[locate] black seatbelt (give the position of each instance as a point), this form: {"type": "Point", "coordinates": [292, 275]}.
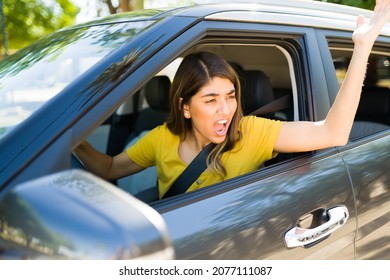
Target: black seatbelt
{"type": "Point", "coordinates": [274, 106]}
{"type": "Point", "coordinates": [191, 173]}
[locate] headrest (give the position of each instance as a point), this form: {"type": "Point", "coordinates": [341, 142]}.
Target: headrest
{"type": "Point", "coordinates": [157, 92]}
{"type": "Point", "coordinates": [256, 90]}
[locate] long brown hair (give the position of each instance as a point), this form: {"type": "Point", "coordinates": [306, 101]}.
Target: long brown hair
{"type": "Point", "coordinates": [195, 71]}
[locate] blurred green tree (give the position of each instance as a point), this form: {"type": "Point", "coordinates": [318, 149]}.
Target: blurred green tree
{"type": "Point", "coordinates": [28, 20]}
{"type": "Point", "coordinates": [365, 4]}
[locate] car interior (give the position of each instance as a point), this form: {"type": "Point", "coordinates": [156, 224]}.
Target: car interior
{"type": "Point", "coordinates": [267, 74]}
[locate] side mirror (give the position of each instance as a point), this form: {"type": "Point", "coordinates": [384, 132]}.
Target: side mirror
{"type": "Point", "coordinates": [76, 215]}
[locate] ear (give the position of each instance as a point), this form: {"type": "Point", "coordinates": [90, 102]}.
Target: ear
{"type": "Point", "coordinates": [186, 111]}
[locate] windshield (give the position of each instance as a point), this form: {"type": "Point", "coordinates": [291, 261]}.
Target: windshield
{"type": "Point", "coordinates": [33, 75]}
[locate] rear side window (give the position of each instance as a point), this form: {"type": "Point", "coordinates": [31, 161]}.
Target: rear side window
{"type": "Point", "coordinates": [373, 114]}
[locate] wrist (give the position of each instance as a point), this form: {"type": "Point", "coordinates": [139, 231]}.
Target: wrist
{"type": "Point", "coordinates": [362, 50]}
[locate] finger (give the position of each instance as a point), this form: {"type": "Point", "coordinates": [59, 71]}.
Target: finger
{"type": "Point", "coordinates": [360, 21]}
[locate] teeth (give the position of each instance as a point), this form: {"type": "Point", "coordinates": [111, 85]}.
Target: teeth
{"type": "Point", "coordinates": [222, 122]}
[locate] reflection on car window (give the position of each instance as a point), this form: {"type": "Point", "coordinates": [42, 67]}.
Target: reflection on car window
{"type": "Point", "coordinates": [35, 74]}
{"type": "Point", "coordinates": [378, 72]}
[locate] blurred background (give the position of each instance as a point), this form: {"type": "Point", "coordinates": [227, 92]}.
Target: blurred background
{"type": "Point", "coordinates": [24, 21]}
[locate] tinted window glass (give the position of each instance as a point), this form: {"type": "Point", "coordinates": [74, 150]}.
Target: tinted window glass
{"type": "Point", "coordinates": [373, 114]}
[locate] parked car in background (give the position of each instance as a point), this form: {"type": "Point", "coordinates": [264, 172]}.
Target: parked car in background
{"type": "Point", "coordinates": [108, 80]}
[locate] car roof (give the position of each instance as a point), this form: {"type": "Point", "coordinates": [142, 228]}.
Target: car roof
{"type": "Point", "coordinates": [292, 7]}
{"type": "Point", "coordinates": [292, 12]}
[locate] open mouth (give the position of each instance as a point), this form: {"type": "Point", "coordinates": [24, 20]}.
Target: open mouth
{"type": "Point", "coordinates": [221, 127]}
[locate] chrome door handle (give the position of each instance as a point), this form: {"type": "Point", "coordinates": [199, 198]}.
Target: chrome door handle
{"type": "Point", "coordinates": [299, 237]}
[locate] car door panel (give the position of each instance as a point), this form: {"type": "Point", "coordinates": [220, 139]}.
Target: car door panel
{"type": "Point", "coordinates": [250, 221]}
{"type": "Point", "coordinates": [369, 163]}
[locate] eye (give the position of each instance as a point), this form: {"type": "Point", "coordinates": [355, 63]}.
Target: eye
{"type": "Point", "coordinates": [211, 100]}
{"type": "Point", "coordinates": [231, 97]}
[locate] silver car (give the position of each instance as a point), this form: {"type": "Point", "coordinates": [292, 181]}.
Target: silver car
{"type": "Point", "coordinates": [107, 81]}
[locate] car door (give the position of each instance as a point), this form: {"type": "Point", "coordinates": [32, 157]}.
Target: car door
{"type": "Point", "coordinates": [248, 217]}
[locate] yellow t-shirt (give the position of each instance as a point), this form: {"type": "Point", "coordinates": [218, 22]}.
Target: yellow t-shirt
{"type": "Point", "coordinates": [160, 147]}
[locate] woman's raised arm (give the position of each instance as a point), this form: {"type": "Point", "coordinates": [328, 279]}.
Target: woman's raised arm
{"type": "Point", "coordinates": [335, 129]}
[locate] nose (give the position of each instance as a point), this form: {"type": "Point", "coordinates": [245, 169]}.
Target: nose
{"type": "Point", "coordinates": [224, 108]}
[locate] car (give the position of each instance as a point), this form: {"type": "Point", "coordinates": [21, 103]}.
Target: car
{"type": "Point", "coordinates": [107, 81]}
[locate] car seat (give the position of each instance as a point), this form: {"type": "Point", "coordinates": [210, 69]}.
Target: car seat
{"type": "Point", "coordinates": [256, 91]}
{"type": "Point", "coordinates": [156, 93]}
{"type": "Point", "coordinates": [259, 97]}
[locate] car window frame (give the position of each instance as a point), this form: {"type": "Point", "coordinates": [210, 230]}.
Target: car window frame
{"type": "Point", "coordinates": [306, 40]}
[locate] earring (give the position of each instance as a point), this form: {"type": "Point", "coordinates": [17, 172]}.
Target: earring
{"type": "Point", "coordinates": [186, 114]}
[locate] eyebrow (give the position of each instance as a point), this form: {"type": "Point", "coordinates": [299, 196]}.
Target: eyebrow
{"type": "Point", "coordinates": [212, 94]}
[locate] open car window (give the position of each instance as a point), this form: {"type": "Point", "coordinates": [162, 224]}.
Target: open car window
{"type": "Point", "coordinates": [262, 66]}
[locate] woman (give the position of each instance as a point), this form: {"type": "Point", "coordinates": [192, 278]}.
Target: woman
{"type": "Point", "coordinates": [206, 109]}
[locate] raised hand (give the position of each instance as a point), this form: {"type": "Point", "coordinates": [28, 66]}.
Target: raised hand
{"type": "Point", "coordinates": [367, 32]}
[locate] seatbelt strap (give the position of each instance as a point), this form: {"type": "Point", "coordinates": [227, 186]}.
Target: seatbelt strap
{"type": "Point", "coordinates": [274, 106]}
{"type": "Point", "coordinates": [191, 173]}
